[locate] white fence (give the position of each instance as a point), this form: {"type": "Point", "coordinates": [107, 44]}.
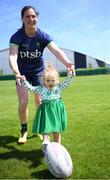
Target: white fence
{"type": "Point", "coordinates": [80, 60]}
{"type": "Point", "coordinates": [48, 56]}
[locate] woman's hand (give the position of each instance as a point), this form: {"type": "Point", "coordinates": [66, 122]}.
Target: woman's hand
{"type": "Point", "coordinates": [19, 78]}
{"type": "Point", "coordinates": [71, 69]}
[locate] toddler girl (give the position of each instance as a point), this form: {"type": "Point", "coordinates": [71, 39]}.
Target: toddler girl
{"type": "Point", "coordinates": [51, 116]}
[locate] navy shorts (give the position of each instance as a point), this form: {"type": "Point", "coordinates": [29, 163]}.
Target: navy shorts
{"type": "Point", "coordinates": [34, 80]}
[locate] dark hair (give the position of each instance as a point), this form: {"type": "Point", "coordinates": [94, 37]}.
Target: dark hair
{"type": "Point", "coordinates": [25, 8]}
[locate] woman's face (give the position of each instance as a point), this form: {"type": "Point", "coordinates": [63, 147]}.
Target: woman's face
{"type": "Point", "coordinates": [30, 19]}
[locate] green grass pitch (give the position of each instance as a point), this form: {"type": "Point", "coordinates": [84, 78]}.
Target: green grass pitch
{"type": "Point", "coordinates": [87, 137]}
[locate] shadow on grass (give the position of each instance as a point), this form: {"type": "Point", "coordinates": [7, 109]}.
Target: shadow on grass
{"type": "Point", "coordinates": [44, 174]}
{"type": "Point", "coordinates": [9, 151]}
{"type": "Point", "coordinates": [35, 156]}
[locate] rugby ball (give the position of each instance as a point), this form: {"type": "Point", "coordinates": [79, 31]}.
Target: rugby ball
{"type": "Point", "coordinates": [58, 160]}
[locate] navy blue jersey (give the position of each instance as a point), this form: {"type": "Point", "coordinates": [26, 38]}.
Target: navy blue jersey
{"type": "Point", "coordinates": [30, 52]}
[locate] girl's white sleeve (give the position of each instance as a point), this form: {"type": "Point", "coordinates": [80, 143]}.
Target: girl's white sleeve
{"type": "Point", "coordinates": [29, 87]}
{"type": "Point", "coordinates": [66, 82]}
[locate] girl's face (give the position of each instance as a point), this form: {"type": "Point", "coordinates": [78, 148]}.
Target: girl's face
{"type": "Point", "coordinates": [30, 19]}
{"type": "Point", "coordinates": [50, 82]}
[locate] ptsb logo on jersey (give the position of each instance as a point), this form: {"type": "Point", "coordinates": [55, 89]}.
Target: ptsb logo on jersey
{"type": "Point", "coordinates": [30, 55]}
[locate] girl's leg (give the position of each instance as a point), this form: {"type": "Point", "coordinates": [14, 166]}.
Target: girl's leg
{"type": "Point", "coordinates": [46, 140]}
{"type": "Point", "coordinates": [57, 137]}
{"type": "Point", "coordinates": [37, 100]}
{"type": "Point", "coordinates": [23, 111]}
{"type": "Point", "coordinates": [46, 137]}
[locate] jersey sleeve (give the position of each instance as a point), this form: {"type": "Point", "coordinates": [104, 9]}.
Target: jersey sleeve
{"type": "Point", "coordinates": [45, 38]}
{"type": "Point", "coordinates": [15, 39]}
{"type": "Point", "coordinates": [66, 82]}
{"type": "Point", "coordinates": [28, 86]}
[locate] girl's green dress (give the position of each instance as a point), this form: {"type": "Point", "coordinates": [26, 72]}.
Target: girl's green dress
{"type": "Point", "coordinates": [51, 115]}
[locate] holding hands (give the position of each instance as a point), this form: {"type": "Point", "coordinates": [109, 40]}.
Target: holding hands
{"type": "Point", "coordinates": [19, 78]}
{"type": "Point", "coordinates": [71, 69]}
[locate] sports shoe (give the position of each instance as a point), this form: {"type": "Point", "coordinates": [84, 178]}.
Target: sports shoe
{"type": "Point", "coordinates": [23, 138]}
{"type": "Point", "coordinates": [40, 137]}
{"type": "Point", "coordinates": [44, 145]}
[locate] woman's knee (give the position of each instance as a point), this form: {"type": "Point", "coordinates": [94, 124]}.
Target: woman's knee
{"type": "Point", "coordinates": [23, 103]}
{"type": "Point", "coordinates": [22, 96]}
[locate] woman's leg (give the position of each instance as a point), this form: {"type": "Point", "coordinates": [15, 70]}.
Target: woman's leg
{"type": "Point", "coordinates": [37, 103]}
{"type": "Point", "coordinates": [23, 111]}
{"type": "Point", "coordinates": [57, 137]}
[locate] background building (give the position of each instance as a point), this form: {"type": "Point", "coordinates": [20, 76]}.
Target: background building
{"type": "Point", "coordinates": [80, 60]}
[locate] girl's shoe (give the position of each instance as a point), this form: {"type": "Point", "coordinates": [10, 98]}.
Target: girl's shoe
{"type": "Point", "coordinates": [44, 145]}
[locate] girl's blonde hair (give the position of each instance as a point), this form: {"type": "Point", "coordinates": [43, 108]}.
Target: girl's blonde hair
{"type": "Point", "coordinates": [50, 70]}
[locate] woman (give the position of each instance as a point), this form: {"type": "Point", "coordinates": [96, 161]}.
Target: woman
{"type": "Point", "coordinates": [26, 58]}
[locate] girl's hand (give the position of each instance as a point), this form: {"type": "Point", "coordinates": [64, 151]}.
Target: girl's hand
{"type": "Point", "coordinates": [23, 78]}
